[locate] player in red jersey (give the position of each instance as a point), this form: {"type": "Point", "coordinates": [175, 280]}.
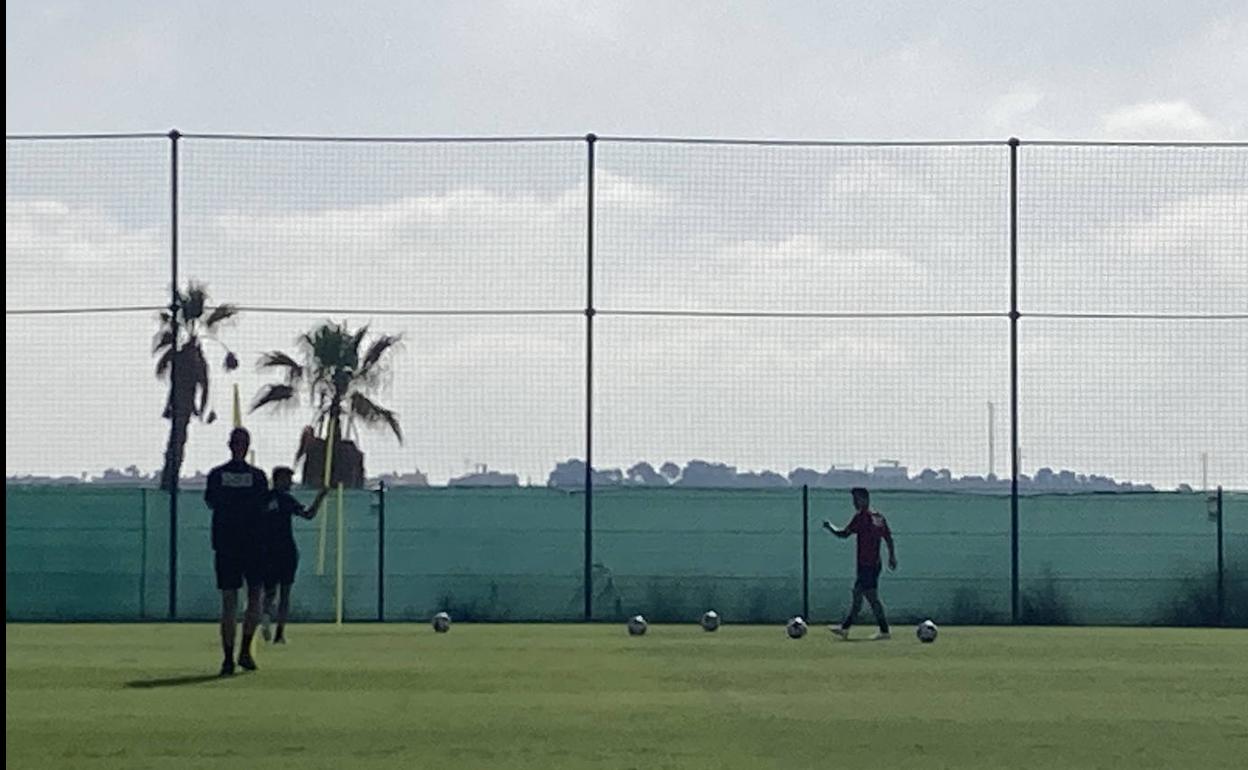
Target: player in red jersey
{"type": "Point", "coordinates": [870, 527]}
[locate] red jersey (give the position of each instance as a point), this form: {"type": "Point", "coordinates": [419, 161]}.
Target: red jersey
{"type": "Point", "coordinates": [870, 527]}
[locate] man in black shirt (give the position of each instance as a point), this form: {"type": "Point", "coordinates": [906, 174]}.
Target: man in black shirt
{"type": "Point", "coordinates": [281, 555]}
{"type": "Point", "coordinates": [237, 493]}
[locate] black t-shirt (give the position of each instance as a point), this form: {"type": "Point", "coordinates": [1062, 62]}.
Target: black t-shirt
{"type": "Point", "coordinates": [281, 508]}
{"type": "Point", "coordinates": [236, 493]}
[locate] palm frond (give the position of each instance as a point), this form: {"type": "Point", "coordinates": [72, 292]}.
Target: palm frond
{"type": "Point", "coordinates": [193, 302]}
{"type": "Point", "coordinates": [328, 347]}
{"type": "Point", "coordinates": [276, 359]}
{"type": "Point", "coordinates": [164, 362]}
{"type": "Point", "coordinates": [373, 414]}
{"type": "Point", "coordinates": [163, 339]}
{"type": "Point", "coordinates": [273, 394]}
{"type": "Point", "coordinates": [357, 339]}
{"type": "Point", "coordinates": [221, 313]}
{"type": "Point", "coordinates": [378, 349]}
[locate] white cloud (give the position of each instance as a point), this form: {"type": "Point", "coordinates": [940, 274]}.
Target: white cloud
{"type": "Point", "coordinates": [1161, 120]}
{"type": "Point", "coordinates": [1009, 112]}
{"type": "Point", "coordinates": [1210, 69]}
{"type": "Point", "coordinates": [700, 230]}
{"type": "Point", "coordinates": [468, 247]}
{"type": "Point", "coordinates": [113, 261]}
{"type": "Point", "coordinates": [1132, 231]}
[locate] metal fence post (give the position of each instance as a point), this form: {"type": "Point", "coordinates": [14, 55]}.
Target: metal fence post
{"type": "Point", "coordinates": [590, 140]}
{"type": "Point", "coordinates": [381, 551]}
{"type": "Point", "coordinates": [806, 551]}
{"type": "Point", "coordinates": [174, 136]}
{"type": "Point", "coordinates": [1221, 566]}
{"type": "Point", "coordinates": [143, 553]}
{"type": "Point", "coordinates": [1014, 316]}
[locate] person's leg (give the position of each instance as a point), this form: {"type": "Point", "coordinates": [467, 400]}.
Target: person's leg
{"type": "Point", "coordinates": [254, 572]}
{"type": "Point", "coordinates": [283, 611]}
{"type": "Point", "coordinates": [251, 619]}
{"type": "Point", "coordinates": [287, 567]}
{"type": "Point", "coordinates": [268, 611]}
{"type": "Point", "coordinates": [854, 608]}
{"type": "Point", "coordinates": [877, 608]}
{"type": "Point", "coordinates": [229, 578]}
{"type": "Point", "coordinates": [229, 611]}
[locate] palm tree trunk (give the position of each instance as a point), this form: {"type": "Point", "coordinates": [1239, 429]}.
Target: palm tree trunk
{"type": "Point", "coordinates": [175, 450]}
{"type": "Point", "coordinates": [180, 410]}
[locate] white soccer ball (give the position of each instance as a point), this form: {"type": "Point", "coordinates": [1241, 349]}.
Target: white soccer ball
{"type": "Point", "coordinates": [926, 632]}
{"type": "Point", "coordinates": [637, 625]}
{"type": "Point", "coordinates": [710, 621]}
{"type": "Point", "coordinates": [795, 628]}
{"type": "Point", "coordinates": [442, 622]}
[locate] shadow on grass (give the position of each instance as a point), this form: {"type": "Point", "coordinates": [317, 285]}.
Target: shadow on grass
{"type": "Point", "coordinates": [173, 681]}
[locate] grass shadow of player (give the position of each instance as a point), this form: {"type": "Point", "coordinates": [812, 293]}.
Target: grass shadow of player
{"type": "Point", "coordinates": [173, 681]}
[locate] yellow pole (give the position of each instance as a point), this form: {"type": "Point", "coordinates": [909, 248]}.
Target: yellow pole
{"type": "Point", "coordinates": [329, 462]}
{"type": "Point", "coordinates": [341, 544]}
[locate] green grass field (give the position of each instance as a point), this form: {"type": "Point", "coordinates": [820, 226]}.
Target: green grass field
{"type": "Point", "coordinates": [514, 696]}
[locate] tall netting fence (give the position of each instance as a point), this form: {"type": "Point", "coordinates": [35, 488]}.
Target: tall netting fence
{"type": "Point", "coordinates": [779, 312]}
{"type": "Point", "coordinates": [739, 332]}
{"type": "Point", "coordinates": [1133, 348]}
{"type": "Point", "coordinates": [87, 232]}
{"type": "Point", "coordinates": [471, 252]}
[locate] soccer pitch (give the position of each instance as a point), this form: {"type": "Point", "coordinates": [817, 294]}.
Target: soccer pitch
{"type": "Point", "coordinates": [590, 696]}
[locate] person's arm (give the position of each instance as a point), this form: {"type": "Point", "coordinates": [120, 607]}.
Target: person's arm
{"type": "Point", "coordinates": [892, 552]}
{"type": "Point", "coordinates": [842, 532]}
{"type": "Point", "coordinates": [310, 511]}
{"type": "Point", "coordinates": [212, 491]}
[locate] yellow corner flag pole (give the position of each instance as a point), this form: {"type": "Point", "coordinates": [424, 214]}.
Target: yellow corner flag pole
{"type": "Point", "coordinates": [329, 462]}
{"type": "Point", "coordinates": [341, 544]}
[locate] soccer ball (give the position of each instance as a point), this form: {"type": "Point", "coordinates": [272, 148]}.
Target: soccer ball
{"type": "Point", "coordinates": [442, 622]}
{"type": "Point", "coordinates": [795, 628]}
{"type": "Point", "coordinates": [926, 632]}
{"type": "Point", "coordinates": [636, 625]}
{"type": "Point", "coordinates": [710, 621]}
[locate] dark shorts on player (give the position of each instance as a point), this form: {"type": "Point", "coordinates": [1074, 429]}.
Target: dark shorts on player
{"type": "Point", "coordinates": [234, 565]}
{"type": "Point", "coordinates": [280, 567]}
{"type": "Point", "coordinates": [868, 577]}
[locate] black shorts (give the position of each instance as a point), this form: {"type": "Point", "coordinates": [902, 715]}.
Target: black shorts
{"type": "Point", "coordinates": [280, 567]}
{"type": "Point", "coordinates": [236, 564]}
{"type": "Point", "coordinates": [868, 577]}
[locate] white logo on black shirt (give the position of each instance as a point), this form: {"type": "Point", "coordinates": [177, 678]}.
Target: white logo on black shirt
{"type": "Point", "coordinates": [237, 480]}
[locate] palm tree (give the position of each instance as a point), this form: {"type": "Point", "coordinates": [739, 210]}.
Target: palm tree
{"type": "Point", "coordinates": [179, 345]}
{"type": "Point", "coordinates": [339, 374]}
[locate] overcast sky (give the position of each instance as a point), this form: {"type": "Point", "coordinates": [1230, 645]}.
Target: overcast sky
{"type": "Point", "coordinates": [1156, 69]}
{"type": "Point", "coordinates": [389, 227]}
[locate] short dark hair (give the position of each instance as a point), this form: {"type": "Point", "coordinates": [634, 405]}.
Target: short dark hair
{"type": "Point", "coordinates": [283, 471]}
{"type": "Point", "coordinates": [240, 434]}
{"type": "Point", "coordinates": [861, 492]}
